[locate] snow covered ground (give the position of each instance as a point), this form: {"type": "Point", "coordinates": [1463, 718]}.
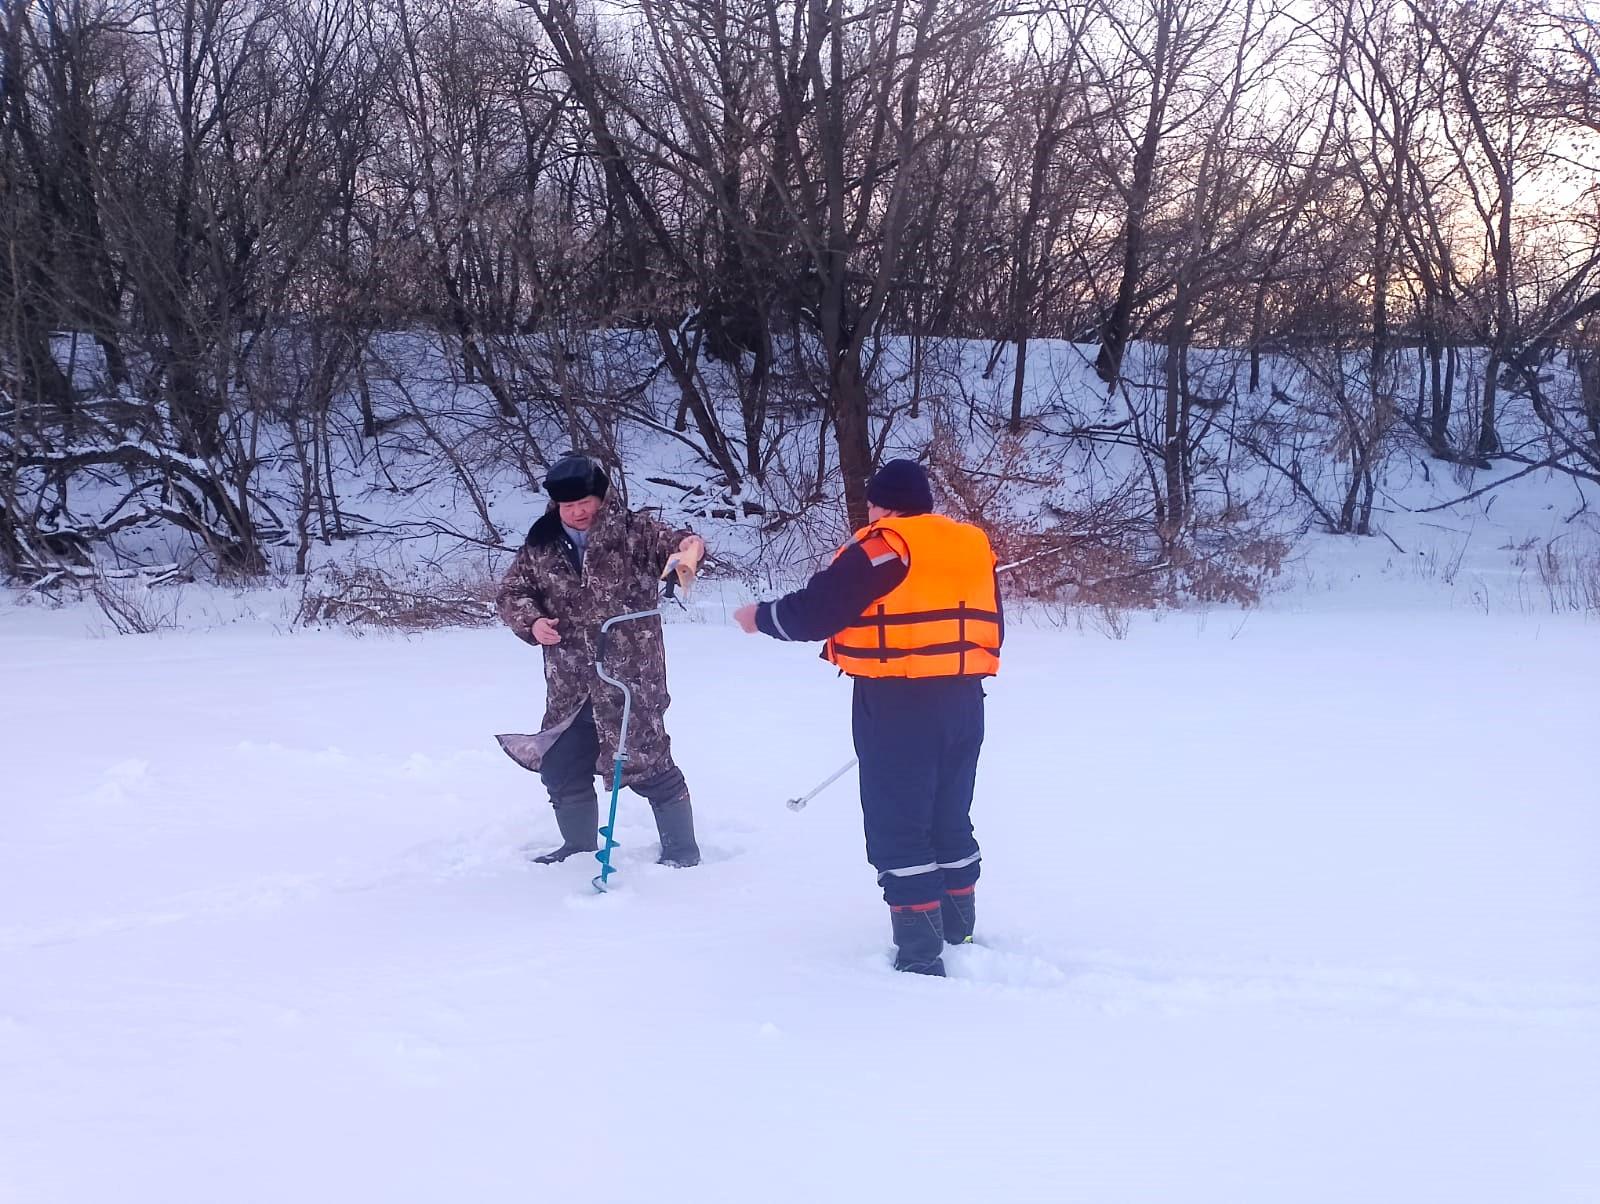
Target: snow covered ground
{"type": "Point", "coordinates": [1293, 906]}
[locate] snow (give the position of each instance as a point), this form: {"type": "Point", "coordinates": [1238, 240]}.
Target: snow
{"type": "Point", "coordinates": [1283, 906]}
{"type": "Point", "coordinates": [1297, 904]}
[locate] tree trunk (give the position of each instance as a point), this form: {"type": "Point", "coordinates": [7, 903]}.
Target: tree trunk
{"type": "Point", "coordinates": [690, 400]}
{"type": "Point", "coordinates": [850, 429]}
{"type": "Point", "coordinates": [1257, 321]}
{"type": "Point", "coordinates": [1488, 437]}
{"type": "Point", "coordinates": [1439, 408]}
{"type": "Point", "coordinates": [1175, 428]}
{"type": "Point", "coordinates": [1589, 378]}
{"type": "Point", "coordinates": [1019, 376]}
{"type": "Point", "coordinates": [1115, 330]}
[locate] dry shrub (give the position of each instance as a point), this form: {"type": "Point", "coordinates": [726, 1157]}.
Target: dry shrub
{"type": "Point", "coordinates": [1228, 563]}
{"type": "Point", "coordinates": [1571, 579]}
{"type": "Point", "coordinates": [137, 604]}
{"type": "Point", "coordinates": [366, 596]}
{"type": "Point", "coordinates": [1098, 551]}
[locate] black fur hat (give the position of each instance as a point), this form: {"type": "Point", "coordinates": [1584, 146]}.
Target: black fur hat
{"type": "Point", "coordinates": [575, 477]}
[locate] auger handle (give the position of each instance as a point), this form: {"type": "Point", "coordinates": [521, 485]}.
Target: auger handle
{"type": "Point", "coordinates": [798, 804]}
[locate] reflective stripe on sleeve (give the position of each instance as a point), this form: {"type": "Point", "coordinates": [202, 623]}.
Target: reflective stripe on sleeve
{"type": "Point", "coordinates": [772, 611]}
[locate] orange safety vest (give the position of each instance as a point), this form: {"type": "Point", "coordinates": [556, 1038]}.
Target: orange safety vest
{"type": "Point", "coordinates": [943, 620]}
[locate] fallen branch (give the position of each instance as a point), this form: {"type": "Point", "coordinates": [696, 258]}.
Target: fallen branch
{"type": "Point", "coordinates": [1547, 462]}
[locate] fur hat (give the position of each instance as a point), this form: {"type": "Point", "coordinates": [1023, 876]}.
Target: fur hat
{"type": "Point", "coordinates": [575, 477]}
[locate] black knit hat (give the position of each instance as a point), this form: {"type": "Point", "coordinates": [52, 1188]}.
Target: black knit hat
{"type": "Point", "coordinates": [575, 477]}
{"type": "Point", "coordinates": [901, 485]}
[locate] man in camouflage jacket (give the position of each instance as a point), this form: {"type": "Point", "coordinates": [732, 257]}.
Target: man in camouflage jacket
{"type": "Point", "coordinates": [586, 560]}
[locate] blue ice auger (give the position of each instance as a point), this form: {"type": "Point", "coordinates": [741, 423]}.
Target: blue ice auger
{"type": "Point", "coordinates": [604, 855]}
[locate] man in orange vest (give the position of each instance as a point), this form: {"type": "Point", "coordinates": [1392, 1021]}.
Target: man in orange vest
{"type": "Point", "coordinates": [910, 608]}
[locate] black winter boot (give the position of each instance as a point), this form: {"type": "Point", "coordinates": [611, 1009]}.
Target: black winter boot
{"type": "Point", "coordinates": [675, 825]}
{"type": "Point", "coordinates": [960, 915]}
{"type": "Point", "coordinates": [579, 821]}
{"type": "Point", "coordinates": [918, 938]}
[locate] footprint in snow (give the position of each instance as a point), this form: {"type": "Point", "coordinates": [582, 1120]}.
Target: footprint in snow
{"type": "Point", "coordinates": [1001, 966]}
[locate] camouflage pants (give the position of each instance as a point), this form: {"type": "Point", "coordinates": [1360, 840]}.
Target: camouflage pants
{"type": "Point", "coordinates": [571, 764]}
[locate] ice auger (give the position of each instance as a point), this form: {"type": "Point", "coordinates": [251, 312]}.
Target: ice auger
{"type": "Point", "coordinates": [609, 842]}
{"type": "Point", "coordinates": [679, 574]}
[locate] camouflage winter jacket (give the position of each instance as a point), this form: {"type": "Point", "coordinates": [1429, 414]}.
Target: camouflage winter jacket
{"type": "Point", "coordinates": [617, 573]}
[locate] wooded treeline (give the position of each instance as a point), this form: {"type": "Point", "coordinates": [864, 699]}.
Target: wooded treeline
{"type": "Point", "coordinates": [211, 209]}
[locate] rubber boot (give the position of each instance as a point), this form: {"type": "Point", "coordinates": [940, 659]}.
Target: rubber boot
{"type": "Point", "coordinates": [918, 938]}
{"type": "Point", "coordinates": [675, 825]}
{"type": "Point", "coordinates": [960, 915]}
{"type": "Point", "coordinates": [579, 821]}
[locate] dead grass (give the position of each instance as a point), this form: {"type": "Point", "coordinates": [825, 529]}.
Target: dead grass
{"type": "Point", "coordinates": [1570, 576]}
{"type": "Point", "coordinates": [418, 600]}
